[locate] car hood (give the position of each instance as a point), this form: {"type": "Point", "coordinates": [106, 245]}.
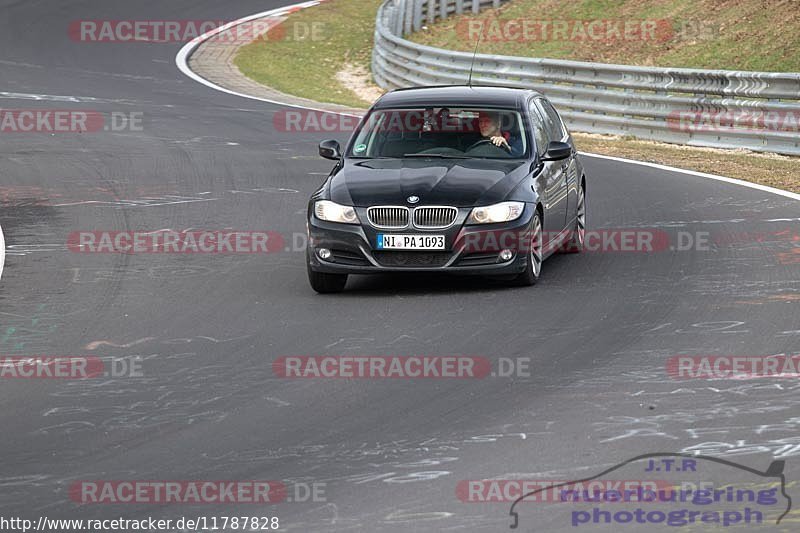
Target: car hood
{"type": "Point", "coordinates": [456, 182]}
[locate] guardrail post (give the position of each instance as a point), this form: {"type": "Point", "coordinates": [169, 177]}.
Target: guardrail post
{"type": "Point", "coordinates": [397, 18]}
{"type": "Point", "coordinates": [408, 16]}
{"type": "Point", "coordinates": [431, 15]}
{"type": "Point", "coordinates": [495, 3]}
{"type": "Point", "coordinates": [476, 6]}
{"type": "Point", "coordinates": [387, 18]}
{"type": "Point", "coordinates": [417, 15]}
{"type": "Point", "coordinates": [442, 9]}
{"type": "Point", "coordinates": [459, 6]}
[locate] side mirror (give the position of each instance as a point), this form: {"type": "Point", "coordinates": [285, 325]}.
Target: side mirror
{"type": "Point", "coordinates": [557, 151]}
{"type": "Point", "coordinates": [330, 150]}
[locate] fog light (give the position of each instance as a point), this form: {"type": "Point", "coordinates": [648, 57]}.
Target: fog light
{"type": "Point", "coordinates": [506, 255]}
{"type": "Point", "coordinates": [324, 253]}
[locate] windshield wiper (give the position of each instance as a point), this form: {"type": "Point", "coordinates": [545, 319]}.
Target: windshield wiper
{"type": "Point", "coordinates": [440, 156]}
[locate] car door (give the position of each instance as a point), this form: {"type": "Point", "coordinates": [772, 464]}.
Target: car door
{"type": "Point", "coordinates": [572, 180]}
{"type": "Point", "coordinates": [553, 175]}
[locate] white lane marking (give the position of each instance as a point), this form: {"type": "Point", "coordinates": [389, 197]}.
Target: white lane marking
{"type": "Point", "coordinates": [25, 249]}
{"type": "Point", "coordinates": [787, 194]}
{"type": "Point", "coordinates": [181, 60]}
{"type": "Point", "coordinates": [145, 202]}
{"type": "Point", "coordinates": [48, 97]}
{"type": "Point", "coordinates": [2, 251]}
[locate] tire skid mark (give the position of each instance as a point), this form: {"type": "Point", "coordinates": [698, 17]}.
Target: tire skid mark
{"type": "Point", "coordinates": [96, 344]}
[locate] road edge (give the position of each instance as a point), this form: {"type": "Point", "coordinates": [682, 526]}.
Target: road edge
{"type": "Point", "coordinates": [182, 62]}
{"type": "Point", "coordinates": [2, 251]}
{"type": "Point", "coordinates": [758, 186]}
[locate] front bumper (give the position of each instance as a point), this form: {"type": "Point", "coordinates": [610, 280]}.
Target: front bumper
{"type": "Point", "coordinates": [470, 249]}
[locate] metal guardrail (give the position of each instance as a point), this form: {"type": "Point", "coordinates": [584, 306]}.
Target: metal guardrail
{"type": "Point", "coordinates": [758, 111]}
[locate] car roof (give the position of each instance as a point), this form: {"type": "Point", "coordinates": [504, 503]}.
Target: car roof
{"type": "Point", "coordinates": [456, 95]}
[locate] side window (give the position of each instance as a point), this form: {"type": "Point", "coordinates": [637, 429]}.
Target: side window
{"type": "Point", "coordinates": [540, 134]}
{"type": "Point", "coordinates": [558, 131]}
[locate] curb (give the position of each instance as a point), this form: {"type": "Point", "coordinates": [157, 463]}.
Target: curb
{"type": "Point", "coordinates": [211, 63]}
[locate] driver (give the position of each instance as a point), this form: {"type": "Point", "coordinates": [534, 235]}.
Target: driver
{"type": "Point", "coordinates": [489, 126]}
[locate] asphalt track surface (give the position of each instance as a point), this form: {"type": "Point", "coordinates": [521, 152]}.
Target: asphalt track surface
{"type": "Point", "coordinates": [598, 328]}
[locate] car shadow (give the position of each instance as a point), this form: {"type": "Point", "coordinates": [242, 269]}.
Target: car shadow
{"type": "Point", "coordinates": [425, 283]}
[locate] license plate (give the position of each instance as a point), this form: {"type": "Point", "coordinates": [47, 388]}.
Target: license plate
{"type": "Point", "coordinates": [394, 241]}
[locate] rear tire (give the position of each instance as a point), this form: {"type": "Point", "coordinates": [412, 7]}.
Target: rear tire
{"type": "Point", "coordinates": [577, 241]}
{"type": "Point", "coordinates": [533, 266]}
{"type": "Point", "coordinates": [325, 283]}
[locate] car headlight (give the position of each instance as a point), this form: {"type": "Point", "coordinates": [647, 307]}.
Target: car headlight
{"type": "Point", "coordinates": [333, 212]}
{"type": "Point", "coordinates": [491, 214]}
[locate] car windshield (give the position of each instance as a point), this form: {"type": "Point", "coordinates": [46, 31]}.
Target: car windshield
{"type": "Point", "coordinates": [441, 132]}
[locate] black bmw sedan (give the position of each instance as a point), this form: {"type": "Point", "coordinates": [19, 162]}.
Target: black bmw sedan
{"type": "Point", "coordinates": [472, 180]}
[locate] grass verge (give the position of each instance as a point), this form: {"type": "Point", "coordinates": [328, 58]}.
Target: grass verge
{"type": "Point", "coordinates": [708, 34]}
{"type": "Point", "coordinates": [772, 170]}
{"type": "Point", "coordinates": [338, 32]}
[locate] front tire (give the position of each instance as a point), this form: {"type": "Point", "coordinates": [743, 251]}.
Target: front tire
{"type": "Point", "coordinates": [325, 283]}
{"type": "Point", "coordinates": [533, 268]}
